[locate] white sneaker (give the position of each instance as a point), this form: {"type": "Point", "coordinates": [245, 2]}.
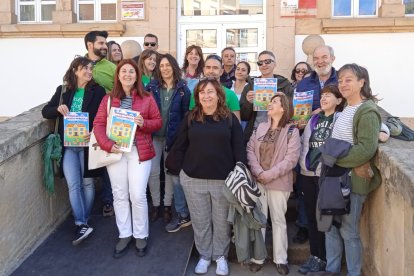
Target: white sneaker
{"type": "Point", "coordinates": [202, 266]}
{"type": "Point", "coordinates": [222, 267]}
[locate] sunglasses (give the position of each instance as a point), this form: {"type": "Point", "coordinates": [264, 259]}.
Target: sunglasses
{"type": "Point", "coordinates": [266, 61]}
{"type": "Point", "coordinates": [153, 44]}
{"type": "Point", "coordinates": [303, 71]}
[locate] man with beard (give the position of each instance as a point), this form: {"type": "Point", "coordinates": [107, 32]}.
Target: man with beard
{"type": "Point", "coordinates": [324, 74]}
{"type": "Point", "coordinates": [103, 70]}
{"type": "Point", "coordinates": [103, 73]}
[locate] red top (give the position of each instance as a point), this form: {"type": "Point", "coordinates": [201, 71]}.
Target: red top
{"type": "Point", "coordinates": [152, 122]}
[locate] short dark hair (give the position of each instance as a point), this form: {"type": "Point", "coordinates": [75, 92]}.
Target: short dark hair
{"type": "Point", "coordinates": [360, 73]}
{"type": "Point", "coordinates": [266, 52]}
{"type": "Point", "coordinates": [151, 35]}
{"type": "Point", "coordinates": [227, 48]}
{"type": "Point", "coordinates": [91, 36]}
{"type": "Point", "coordinates": [333, 89]}
{"type": "Point", "coordinates": [213, 56]}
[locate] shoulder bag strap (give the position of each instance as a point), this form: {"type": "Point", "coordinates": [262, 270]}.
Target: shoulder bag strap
{"type": "Point", "coordinates": [62, 91]}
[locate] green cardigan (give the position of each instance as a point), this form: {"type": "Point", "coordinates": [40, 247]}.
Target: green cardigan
{"type": "Point", "coordinates": [366, 127]}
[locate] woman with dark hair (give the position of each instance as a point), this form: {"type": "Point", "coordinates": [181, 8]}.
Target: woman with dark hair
{"type": "Point", "coordinates": [242, 77]}
{"type": "Point", "coordinates": [82, 94]}
{"type": "Point", "coordinates": [272, 152]}
{"type": "Point", "coordinates": [193, 65]}
{"type": "Point", "coordinates": [129, 176]}
{"type": "Point", "coordinates": [318, 129]}
{"type": "Point", "coordinates": [173, 97]}
{"type": "Point", "coordinates": [146, 65]}
{"type": "Point", "coordinates": [114, 54]}
{"type": "Point", "coordinates": [300, 70]}
{"type": "Point", "coordinates": [359, 125]}
{"type": "Point", "coordinates": [208, 145]}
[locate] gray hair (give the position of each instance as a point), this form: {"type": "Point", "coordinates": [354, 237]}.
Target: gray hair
{"type": "Point", "coordinates": [330, 49]}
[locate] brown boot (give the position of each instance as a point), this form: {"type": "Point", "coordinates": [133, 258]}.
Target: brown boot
{"type": "Point", "coordinates": [167, 214]}
{"type": "Point", "coordinates": [154, 213]}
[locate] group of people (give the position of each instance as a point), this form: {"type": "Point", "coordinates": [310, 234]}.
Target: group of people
{"type": "Point", "coordinates": [200, 119]}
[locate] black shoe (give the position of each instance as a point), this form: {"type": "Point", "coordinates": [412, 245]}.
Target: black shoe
{"type": "Point", "coordinates": [141, 247]}
{"type": "Point", "coordinates": [121, 247]}
{"type": "Point", "coordinates": [301, 235]}
{"type": "Point", "coordinates": [154, 213]}
{"type": "Point", "coordinates": [178, 223]}
{"type": "Point", "coordinates": [167, 214]}
{"type": "Point", "coordinates": [108, 210]}
{"type": "Point", "coordinates": [82, 232]}
{"type": "Point", "coordinates": [282, 269]}
{"type": "Point", "coordinates": [253, 267]}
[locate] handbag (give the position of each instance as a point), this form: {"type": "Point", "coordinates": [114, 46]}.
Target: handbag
{"type": "Point", "coordinates": [98, 157]}
{"type": "Point", "coordinates": [52, 153]}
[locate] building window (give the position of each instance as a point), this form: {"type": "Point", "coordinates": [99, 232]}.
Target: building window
{"type": "Point", "coordinates": [96, 10]}
{"type": "Point", "coordinates": [409, 7]}
{"type": "Point", "coordinates": [223, 7]}
{"type": "Point", "coordinates": [355, 8]}
{"type": "Point", "coordinates": [32, 11]}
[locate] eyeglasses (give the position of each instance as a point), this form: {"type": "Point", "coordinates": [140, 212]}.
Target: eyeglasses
{"type": "Point", "coordinates": [303, 71]}
{"type": "Point", "coordinates": [153, 44]}
{"type": "Point", "coordinates": [266, 61]}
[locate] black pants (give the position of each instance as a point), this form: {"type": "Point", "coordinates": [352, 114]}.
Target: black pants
{"type": "Point", "coordinates": [310, 189]}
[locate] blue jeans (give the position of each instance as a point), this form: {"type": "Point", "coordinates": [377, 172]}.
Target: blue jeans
{"type": "Point", "coordinates": [180, 202]}
{"type": "Point", "coordinates": [81, 190]}
{"type": "Point", "coordinates": [106, 193]}
{"type": "Point", "coordinates": [349, 234]}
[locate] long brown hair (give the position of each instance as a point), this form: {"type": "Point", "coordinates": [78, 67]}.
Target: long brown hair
{"type": "Point", "coordinates": [200, 65]}
{"type": "Point", "coordinates": [70, 77]}
{"type": "Point", "coordinates": [287, 107]}
{"type": "Point", "coordinates": [144, 55]}
{"type": "Point", "coordinates": [221, 111]}
{"type": "Point", "coordinates": [118, 91]}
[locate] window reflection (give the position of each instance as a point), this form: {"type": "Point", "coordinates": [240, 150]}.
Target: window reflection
{"type": "Point", "coordinates": [241, 38]}
{"type": "Point", "coordinates": [220, 7]}
{"type": "Point", "coordinates": [251, 58]}
{"type": "Point", "coordinates": [202, 38]}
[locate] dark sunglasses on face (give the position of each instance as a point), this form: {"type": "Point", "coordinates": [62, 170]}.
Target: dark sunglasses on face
{"type": "Point", "coordinates": [266, 61]}
{"type": "Point", "coordinates": [303, 71]}
{"type": "Point", "coordinates": [150, 43]}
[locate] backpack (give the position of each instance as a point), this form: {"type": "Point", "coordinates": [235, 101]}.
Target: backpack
{"type": "Point", "coordinates": [399, 130]}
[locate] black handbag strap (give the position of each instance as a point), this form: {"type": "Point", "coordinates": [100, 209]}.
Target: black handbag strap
{"type": "Point", "coordinates": [62, 91]}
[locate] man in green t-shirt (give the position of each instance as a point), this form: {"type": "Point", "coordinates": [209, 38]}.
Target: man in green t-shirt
{"type": "Point", "coordinates": [213, 69]}
{"type": "Point", "coordinates": [103, 73]}
{"type": "Point", "coordinates": [103, 70]}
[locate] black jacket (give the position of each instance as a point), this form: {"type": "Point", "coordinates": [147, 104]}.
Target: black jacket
{"type": "Point", "coordinates": [91, 101]}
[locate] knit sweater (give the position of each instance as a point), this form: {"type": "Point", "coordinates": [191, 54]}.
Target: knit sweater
{"type": "Point", "coordinates": [366, 126]}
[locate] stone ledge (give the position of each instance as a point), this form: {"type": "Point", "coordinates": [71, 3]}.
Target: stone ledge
{"type": "Point", "coordinates": [22, 131]}
{"type": "Point", "coordinates": [59, 30]}
{"type": "Point", "coordinates": [367, 25]}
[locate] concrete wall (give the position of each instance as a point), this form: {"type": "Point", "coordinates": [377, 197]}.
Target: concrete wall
{"type": "Point", "coordinates": [388, 58]}
{"type": "Point", "coordinates": [28, 213]}
{"type": "Point", "coordinates": [387, 222]}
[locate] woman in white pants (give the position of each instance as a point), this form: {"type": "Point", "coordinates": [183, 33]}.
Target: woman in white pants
{"type": "Point", "coordinates": [129, 176]}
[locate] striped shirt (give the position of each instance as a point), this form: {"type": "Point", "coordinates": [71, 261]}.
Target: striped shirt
{"type": "Point", "coordinates": [126, 103]}
{"type": "Point", "coordinates": [343, 125]}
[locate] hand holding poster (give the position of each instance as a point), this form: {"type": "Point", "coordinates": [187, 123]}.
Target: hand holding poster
{"type": "Point", "coordinates": [302, 107]}
{"type": "Point", "coordinates": [264, 90]}
{"type": "Point", "coordinates": [122, 127]}
{"type": "Point", "coordinates": [76, 129]}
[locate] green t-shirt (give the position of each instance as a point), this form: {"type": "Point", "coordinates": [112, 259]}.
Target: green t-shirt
{"type": "Point", "coordinates": [77, 100]}
{"type": "Point", "coordinates": [166, 99]}
{"type": "Point", "coordinates": [232, 101]}
{"type": "Point", "coordinates": [145, 80]}
{"type": "Point", "coordinates": [103, 73]}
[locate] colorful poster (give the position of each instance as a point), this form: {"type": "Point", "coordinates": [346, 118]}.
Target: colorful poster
{"type": "Point", "coordinates": [298, 8]}
{"type": "Point", "coordinates": [302, 107]}
{"type": "Point", "coordinates": [132, 10]}
{"type": "Point", "coordinates": [122, 127]}
{"type": "Point", "coordinates": [264, 90]}
{"type": "Point", "coordinates": [75, 129]}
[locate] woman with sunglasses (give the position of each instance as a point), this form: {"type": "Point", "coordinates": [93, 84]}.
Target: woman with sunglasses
{"type": "Point", "coordinates": [173, 97]}
{"type": "Point", "coordinates": [209, 143]}
{"type": "Point", "coordinates": [300, 70]}
{"type": "Point", "coordinates": [272, 152]}
{"type": "Point", "coordinates": [82, 94]}
{"type": "Point", "coordinates": [193, 66]}
{"type": "Point", "coordinates": [146, 65]}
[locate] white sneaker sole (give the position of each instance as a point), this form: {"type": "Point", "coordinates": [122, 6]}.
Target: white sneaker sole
{"type": "Point", "coordinates": [87, 233]}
